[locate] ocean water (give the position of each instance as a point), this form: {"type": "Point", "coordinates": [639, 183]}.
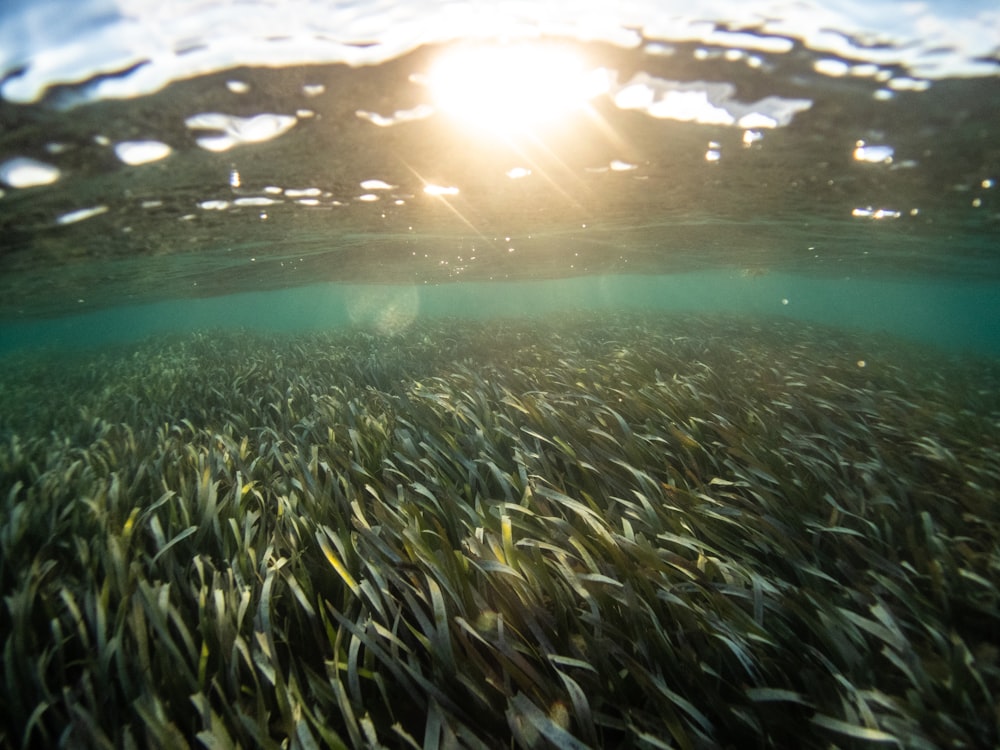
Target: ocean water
{"type": "Point", "coordinates": [468, 345]}
{"type": "Point", "coordinates": [162, 166]}
{"type": "Point", "coordinates": [954, 317]}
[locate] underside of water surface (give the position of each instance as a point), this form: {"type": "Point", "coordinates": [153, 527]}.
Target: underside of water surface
{"type": "Point", "coordinates": [680, 146]}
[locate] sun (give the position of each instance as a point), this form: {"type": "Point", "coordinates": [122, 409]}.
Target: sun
{"type": "Point", "coordinates": [511, 89]}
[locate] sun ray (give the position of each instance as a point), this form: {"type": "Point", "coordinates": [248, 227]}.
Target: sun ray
{"type": "Point", "coordinates": [442, 195]}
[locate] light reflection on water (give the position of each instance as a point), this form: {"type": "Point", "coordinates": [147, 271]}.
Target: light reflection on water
{"type": "Point", "coordinates": [829, 140]}
{"type": "Point", "coordinates": [68, 42]}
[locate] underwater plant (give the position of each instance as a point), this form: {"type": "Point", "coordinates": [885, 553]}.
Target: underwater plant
{"type": "Point", "coordinates": [590, 531]}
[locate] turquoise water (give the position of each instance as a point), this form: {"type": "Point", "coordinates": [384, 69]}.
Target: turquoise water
{"type": "Point", "coordinates": [957, 316]}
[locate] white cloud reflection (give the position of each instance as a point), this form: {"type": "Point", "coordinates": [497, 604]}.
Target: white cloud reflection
{"type": "Point", "coordinates": [45, 44]}
{"type": "Point", "coordinates": [234, 131]}
{"type": "Point", "coordinates": [705, 103]}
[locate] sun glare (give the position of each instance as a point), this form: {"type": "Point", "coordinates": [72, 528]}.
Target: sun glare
{"type": "Point", "coordinates": [511, 89]}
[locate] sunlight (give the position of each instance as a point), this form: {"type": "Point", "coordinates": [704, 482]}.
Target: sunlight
{"type": "Point", "coordinates": [512, 89]}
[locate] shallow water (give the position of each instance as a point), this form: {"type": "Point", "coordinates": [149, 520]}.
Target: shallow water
{"type": "Point", "coordinates": [313, 375]}
{"type": "Point", "coordinates": [166, 156]}
{"type": "Point", "coordinates": [953, 316]}
{"type": "Point", "coordinates": [601, 527]}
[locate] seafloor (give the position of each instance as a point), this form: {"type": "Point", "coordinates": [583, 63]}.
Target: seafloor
{"type": "Point", "coordinates": [615, 531]}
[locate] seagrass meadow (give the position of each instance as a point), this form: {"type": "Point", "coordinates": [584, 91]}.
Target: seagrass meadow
{"type": "Point", "coordinates": [583, 531]}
